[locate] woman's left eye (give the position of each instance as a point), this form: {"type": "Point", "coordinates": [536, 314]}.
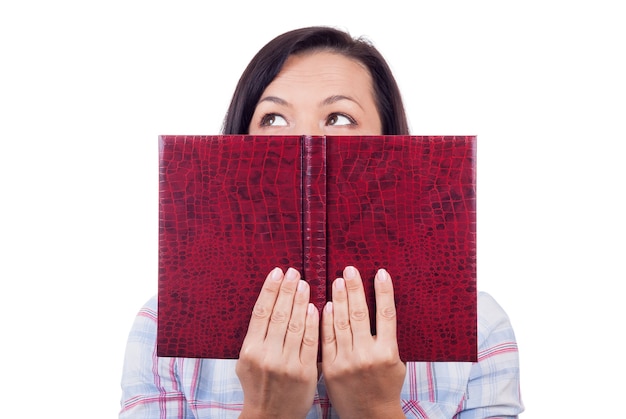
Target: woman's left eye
{"type": "Point", "coordinates": [336, 119]}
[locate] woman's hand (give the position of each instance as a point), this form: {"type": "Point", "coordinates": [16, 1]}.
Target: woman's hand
{"type": "Point", "coordinates": [363, 373]}
{"type": "Point", "coordinates": [277, 365]}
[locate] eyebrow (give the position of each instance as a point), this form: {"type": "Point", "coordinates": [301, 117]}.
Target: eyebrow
{"type": "Point", "coordinates": [328, 101]}
{"type": "Point", "coordinates": [275, 99]}
{"type": "Point", "coordinates": [336, 98]}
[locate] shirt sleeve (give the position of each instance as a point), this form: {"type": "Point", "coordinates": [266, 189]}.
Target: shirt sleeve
{"type": "Point", "coordinates": [150, 385]}
{"type": "Point", "coordinates": [493, 389]}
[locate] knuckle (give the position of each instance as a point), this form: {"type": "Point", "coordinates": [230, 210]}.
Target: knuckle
{"type": "Point", "coordinates": [342, 325]}
{"type": "Point", "coordinates": [260, 311]}
{"type": "Point", "coordinates": [353, 285]}
{"type": "Point", "coordinates": [301, 298]}
{"type": "Point", "coordinates": [366, 364]}
{"type": "Point", "coordinates": [309, 341]}
{"type": "Point", "coordinates": [279, 316]}
{"type": "Point", "coordinates": [288, 289]}
{"type": "Point", "coordinates": [249, 358]}
{"type": "Point", "coordinates": [328, 339]}
{"type": "Point", "coordinates": [388, 312]}
{"type": "Point", "coordinates": [295, 327]}
{"type": "Point", "coordinates": [358, 314]}
{"type": "Point", "coordinates": [271, 288]}
{"type": "Point", "coordinates": [277, 370]}
{"type": "Point", "coordinates": [340, 296]}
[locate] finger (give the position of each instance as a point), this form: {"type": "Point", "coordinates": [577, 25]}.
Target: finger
{"type": "Point", "coordinates": [329, 342]}
{"type": "Point", "coordinates": [341, 316]}
{"type": "Point", "coordinates": [310, 340]}
{"type": "Point", "coordinates": [259, 321]}
{"type": "Point", "coordinates": [297, 320]}
{"type": "Point", "coordinates": [281, 312]}
{"type": "Point", "coordinates": [385, 307]}
{"type": "Point", "coordinates": [357, 304]}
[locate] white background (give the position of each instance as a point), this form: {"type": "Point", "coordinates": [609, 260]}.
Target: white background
{"type": "Point", "coordinates": [87, 86]}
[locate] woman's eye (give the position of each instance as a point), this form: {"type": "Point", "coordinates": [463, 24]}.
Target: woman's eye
{"type": "Point", "coordinates": [339, 119]}
{"type": "Point", "coordinates": [273, 120]}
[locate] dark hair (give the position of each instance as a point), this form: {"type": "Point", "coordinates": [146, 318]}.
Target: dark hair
{"type": "Point", "coordinates": [268, 62]}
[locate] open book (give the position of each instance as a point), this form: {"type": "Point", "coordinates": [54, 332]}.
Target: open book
{"type": "Point", "coordinates": [231, 208]}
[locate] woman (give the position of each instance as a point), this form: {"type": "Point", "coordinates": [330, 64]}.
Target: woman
{"type": "Point", "coordinates": [320, 81]}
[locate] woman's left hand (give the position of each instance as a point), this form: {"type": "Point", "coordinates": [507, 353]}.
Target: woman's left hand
{"type": "Point", "coordinates": [363, 373]}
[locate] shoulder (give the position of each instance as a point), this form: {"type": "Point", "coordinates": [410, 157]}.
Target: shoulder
{"type": "Point", "coordinates": [145, 324]}
{"type": "Point", "coordinates": [149, 310]}
{"type": "Point", "coordinates": [490, 313]}
{"type": "Point", "coordinates": [151, 304]}
{"type": "Point", "coordinates": [488, 304]}
{"type": "Point", "coordinates": [493, 388]}
{"type": "Point", "coordinates": [494, 327]}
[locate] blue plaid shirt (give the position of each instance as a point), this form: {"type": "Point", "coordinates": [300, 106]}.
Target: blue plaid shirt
{"type": "Point", "coordinates": [154, 387]}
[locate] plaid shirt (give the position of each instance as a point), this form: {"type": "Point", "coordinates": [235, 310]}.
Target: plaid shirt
{"type": "Point", "coordinates": [154, 387]}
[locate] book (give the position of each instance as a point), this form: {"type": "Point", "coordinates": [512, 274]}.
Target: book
{"type": "Point", "coordinates": [231, 208]}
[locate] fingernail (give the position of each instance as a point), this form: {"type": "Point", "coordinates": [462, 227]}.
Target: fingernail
{"type": "Point", "coordinates": [276, 274]}
{"type": "Point", "coordinates": [382, 275]}
{"type": "Point", "coordinates": [301, 285]}
{"type": "Point", "coordinates": [291, 274]}
{"type": "Point", "coordinates": [340, 283]}
{"type": "Point", "coordinates": [311, 309]}
{"type": "Point", "coordinates": [329, 307]}
{"type": "Point", "coordinates": [350, 272]}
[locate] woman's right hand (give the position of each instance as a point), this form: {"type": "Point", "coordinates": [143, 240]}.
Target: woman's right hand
{"type": "Point", "coordinates": [277, 366]}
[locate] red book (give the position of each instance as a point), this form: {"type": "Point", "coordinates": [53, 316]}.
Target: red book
{"type": "Point", "coordinates": [231, 208]}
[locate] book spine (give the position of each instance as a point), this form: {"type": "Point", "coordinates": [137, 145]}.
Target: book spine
{"type": "Point", "coordinates": [314, 217]}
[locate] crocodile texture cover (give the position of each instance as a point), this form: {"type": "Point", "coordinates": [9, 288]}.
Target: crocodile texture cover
{"type": "Point", "coordinates": [231, 208]}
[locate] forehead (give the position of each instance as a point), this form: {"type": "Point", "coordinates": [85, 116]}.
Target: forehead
{"type": "Point", "coordinates": [322, 70]}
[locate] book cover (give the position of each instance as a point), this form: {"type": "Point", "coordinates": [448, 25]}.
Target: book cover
{"type": "Point", "coordinates": [231, 208]}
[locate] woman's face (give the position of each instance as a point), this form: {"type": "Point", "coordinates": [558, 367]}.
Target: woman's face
{"type": "Point", "coordinates": [318, 93]}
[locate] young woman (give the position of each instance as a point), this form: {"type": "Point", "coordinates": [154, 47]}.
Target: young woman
{"type": "Point", "coordinates": [321, 81]}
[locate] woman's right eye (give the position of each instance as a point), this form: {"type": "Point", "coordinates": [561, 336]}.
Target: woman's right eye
{"type": "Point", "coordinates": [273, 120]}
